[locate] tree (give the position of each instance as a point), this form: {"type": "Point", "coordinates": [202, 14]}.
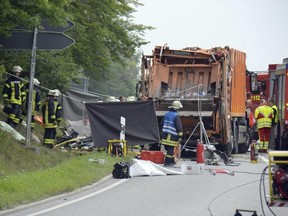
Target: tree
{"type": "Point", "coordinates": [30, 14]}
{"type": "Point", "coordinates": [104, 33]}
{"type": "Point", "coordinates": [122, 80]}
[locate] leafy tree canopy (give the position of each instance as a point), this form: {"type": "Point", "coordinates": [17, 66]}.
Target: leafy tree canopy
{"type": "Point", "coordinates": [104, 33]}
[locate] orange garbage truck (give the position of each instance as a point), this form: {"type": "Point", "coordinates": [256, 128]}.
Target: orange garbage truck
{"type": "Point", "coordinates": [211, 85]}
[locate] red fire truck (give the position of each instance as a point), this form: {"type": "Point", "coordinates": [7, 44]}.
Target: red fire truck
{"type": "Point", "coordinates": [279, 90]}
{"type": "Point", "coordinates": [257, 86]}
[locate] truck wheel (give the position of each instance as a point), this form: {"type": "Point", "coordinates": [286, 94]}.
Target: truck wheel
{"type": "Point", "coordinates": [234, 137]}
{"type": "Point", "coordinates": [229, 149]}
{"type": "Point", "coordinates": [234, 146]}
{"type": "Point", "coordinates": [243, 148]}
{"type": "Point", "coordinates": [225, 148]}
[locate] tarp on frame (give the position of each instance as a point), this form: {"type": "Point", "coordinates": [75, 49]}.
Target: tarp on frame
{"type": "Point", "coordinates": [73, 104]}
{"type": "Point", "coordinates": [74, 110]}
{"type": "Point", "coordinates": [141, 122]}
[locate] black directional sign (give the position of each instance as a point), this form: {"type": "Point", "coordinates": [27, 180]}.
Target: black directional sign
{"type": "Point", "coordinates": [45, 38]}
{"type": "Point", "coordinates": [46, 26]}
{"type": "Point", "coordinates": [45, 41]}
{"type": "Point", "coordinates": [49, 40]}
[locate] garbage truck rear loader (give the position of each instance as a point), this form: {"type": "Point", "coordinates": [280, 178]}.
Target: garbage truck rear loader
{"type": "Point", "coordinates": [211, 85]}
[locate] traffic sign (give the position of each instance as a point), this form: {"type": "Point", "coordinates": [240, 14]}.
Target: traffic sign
{"type": "Point", "coordinates": [45, 41]}
{"type": "Point", "coordinates": [45, 26]}
{"type": "Point", "coordinates": [53, 41]}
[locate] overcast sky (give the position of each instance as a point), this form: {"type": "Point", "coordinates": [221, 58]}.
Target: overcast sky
{"type": "Point", "coordinates": [257, 27]}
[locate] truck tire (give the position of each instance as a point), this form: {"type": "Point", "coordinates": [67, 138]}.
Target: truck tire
{"type": "Point", "coordinates": [243, 147]}
{"type": "Point", "coordinates": [225, 148]}
{"type": "Point", "coordinates": [251, 135]}
{"type": "Point", "coordinates": [234, 137]}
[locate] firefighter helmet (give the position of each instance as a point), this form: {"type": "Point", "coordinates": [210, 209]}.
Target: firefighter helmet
{"type": "Point", "coordinates": [176, 105]}
{"type": "Point", "coordinates": [51, 93]}
{"type": "Point", "coordinates": [111, 98]}
{"type": "Point", "coordinates": [131, 98]}
{"type": "Point", "coordinates": [36, 81]}
{"type": "Point", "coordinates": [57, 93]}
{"type": "Point", "coordinates": [17, 69]}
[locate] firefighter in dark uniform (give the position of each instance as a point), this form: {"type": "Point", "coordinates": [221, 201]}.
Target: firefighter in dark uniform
{"type": "Point", "coordinates": [274, 129]}
{"type": "Point", "coordinates": [52, 116]}
{"type": "Point", "coordinates": [13, 95]}
{"type": "Point", "coordinates": [172, 132]}
{"type": "Point", "coordinates": [36, 102]}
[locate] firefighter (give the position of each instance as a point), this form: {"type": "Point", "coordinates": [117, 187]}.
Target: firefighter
{"type": "Point", "coordinates": [263, 116]}
{"type": "Point", "coordinates": [249, 114]}
{"type": "Point", "coordinates": [36, 102]}
{"type": "Point", "coordinates": [172, 132]}
{"type": "Point", "coordinates": [13, 95]}
{"type": "Point", "coordinates": [52, 116]}
{"type": "Point", "coordinates": [274, 131]}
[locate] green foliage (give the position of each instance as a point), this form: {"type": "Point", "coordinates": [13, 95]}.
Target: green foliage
{"type": "Point", "coordinates": [2, 69]}
{"type": "Point", "coordinates": [104, 33]}
{"type": "Point", "coordinates": [121, 79]}
{"type": "Point", "coordinates": [107, 32]}
{"type": "Point", "coordinates": [17, 155]}
{"type": "Point", "coordinates": [64, 176]}
{"type": "Point", "coordinates": [30, 14]}
{"type": "Point", "coordinates": [56, 69]}
{"type": "Point", "coordinates": [35, 173]}
{"type": "Point", "coordinates": [27, 176]}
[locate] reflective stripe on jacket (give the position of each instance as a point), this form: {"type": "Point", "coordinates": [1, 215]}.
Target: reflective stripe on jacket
{"type": "Point", "coordinates": [14, 90]}
{"type": "Point", "coordinates": [275, 114]}
{"type": "Point", "coordinates": [51, 111]}
{"type": "Point", "coordinates": [263, 115]}
{"type": "Point", "coordinates": [171, 129]}
{"type": "Point", "coordinates": [36, 101]}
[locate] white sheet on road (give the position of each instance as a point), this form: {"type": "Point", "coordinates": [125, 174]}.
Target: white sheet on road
{"type": "Point", "coordinates": [148, 168]}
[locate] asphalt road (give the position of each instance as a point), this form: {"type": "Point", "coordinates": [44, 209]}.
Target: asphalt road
{"type": "Point", "coordinates": [182, 195]}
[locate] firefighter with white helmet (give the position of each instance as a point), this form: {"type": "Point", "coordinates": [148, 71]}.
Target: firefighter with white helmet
{"type": "Point", "coordinates": [171, 132]}
{"type": "Point", "coordinates": [13, 95]}
{"type": "Point", "coordinates": [17, 69]}
{"type": "Point", "coordinates": [57, 93]}
{"type": "Point", "coordinates": [176, 105]}
{"type": "Point", "coordinates": [52, 116]}
{"type": "Point", "coordinates": [112, 99]}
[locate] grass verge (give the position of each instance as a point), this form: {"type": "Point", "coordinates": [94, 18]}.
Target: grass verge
{"type": "Point", "coordinates": [27, 176]}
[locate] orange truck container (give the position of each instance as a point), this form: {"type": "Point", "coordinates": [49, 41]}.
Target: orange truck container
{"type": "Point", "coordinates": [211, 85]}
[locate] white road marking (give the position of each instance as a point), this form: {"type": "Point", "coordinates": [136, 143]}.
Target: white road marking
{"type": "Point", "coordinates": [264, 159]}
{"type": "Point", "coordinates": [79, 199]}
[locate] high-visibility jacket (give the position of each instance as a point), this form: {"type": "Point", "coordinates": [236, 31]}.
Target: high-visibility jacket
{"type": "Point", "coordinates": [36, 100]}
{"type": "Point", "coordinates": [250, 117]}
{"type": "Point", "coordinates": [51, 111]}
{"type": "Point", "coordinates": [13, 90]}
{"type": "Point", "coordinates": [263, 115]}
{"type": "Point", "coordinates": [171, 128]}
{"type": "Point", "coordinates": [275, 115]}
